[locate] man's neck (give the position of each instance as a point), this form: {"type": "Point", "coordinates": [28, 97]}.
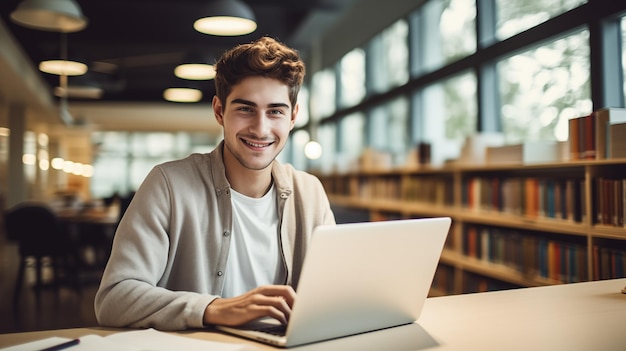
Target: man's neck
{"type": "Point", "coordinates": [249, 182]}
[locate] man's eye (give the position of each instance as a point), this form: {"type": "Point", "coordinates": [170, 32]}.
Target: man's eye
{"type": "Point", "coordinates": [277, 112]}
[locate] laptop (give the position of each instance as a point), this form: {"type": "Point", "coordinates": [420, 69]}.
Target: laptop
{"type": "Point", "coordinates": [357, 278]}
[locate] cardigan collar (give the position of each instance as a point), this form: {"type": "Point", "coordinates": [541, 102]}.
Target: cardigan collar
{"type": "Point", "coordinates": [218, 173]}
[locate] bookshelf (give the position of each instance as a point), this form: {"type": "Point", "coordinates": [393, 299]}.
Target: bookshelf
{"type": "Point", "coordinates": [513, 225]}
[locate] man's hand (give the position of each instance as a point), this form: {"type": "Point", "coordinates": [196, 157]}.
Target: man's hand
{"type": "Point", "coordinates": [265, 301]}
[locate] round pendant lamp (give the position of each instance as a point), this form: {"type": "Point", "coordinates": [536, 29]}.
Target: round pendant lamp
{"type": "Point", "coordinates": [50, 15]}
{"type": "Point", "coordinates": [227, 18]}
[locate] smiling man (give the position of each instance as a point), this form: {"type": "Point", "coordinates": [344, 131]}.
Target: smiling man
{"type": "Point", "coordinates": [220, 238]}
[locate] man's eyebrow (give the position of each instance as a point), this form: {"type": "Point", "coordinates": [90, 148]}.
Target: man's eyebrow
{"type": "Point", "coordinates": [243, 102]}
{"type": "Point", "coordinates": [253, 104]}
{"type": "Point", "coordinates": [278, 104]}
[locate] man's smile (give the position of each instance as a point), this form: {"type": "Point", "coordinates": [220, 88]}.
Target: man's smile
{"type": "Point", "coordinates": [256, 144]}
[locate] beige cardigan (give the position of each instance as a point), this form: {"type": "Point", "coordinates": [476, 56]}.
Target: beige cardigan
{"type": "Point", "coordinates": [171, 247]}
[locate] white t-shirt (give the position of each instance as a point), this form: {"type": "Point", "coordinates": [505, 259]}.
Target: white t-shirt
{"type": "Point", "coordinates": [255, 257]}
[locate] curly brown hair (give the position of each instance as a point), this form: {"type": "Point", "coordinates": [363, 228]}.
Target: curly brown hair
{"type": "Point", "coordinates": [265, 57]}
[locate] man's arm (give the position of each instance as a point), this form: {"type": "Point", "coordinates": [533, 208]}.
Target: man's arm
{"type": "Point", "coordinates": [128, 293]}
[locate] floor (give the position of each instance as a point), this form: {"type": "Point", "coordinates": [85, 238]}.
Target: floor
{"type": "Point", "coordinates": [68, 308]}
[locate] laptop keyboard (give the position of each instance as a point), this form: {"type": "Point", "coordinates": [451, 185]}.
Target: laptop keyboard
{"type": "Point", "coordinates": [278, 330]}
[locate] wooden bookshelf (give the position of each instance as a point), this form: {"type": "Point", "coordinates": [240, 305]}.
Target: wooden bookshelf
{"type": "Point", "coordinates": [513, 225]}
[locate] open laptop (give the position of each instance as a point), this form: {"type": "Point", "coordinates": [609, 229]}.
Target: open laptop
{"type": "Point", "coordinates": [356, 278]}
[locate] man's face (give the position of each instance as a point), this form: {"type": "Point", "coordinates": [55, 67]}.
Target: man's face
{"type": "Point", "coordinates": [257, 119]}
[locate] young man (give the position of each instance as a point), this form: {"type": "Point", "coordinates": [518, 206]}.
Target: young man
{"type": "Point", "coordinates": [220, 238]}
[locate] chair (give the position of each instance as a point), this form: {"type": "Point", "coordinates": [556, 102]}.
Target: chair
{"type": "Point", "coordinates": [39, 235]}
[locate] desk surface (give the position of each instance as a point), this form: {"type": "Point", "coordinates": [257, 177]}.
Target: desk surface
{"type": "Point", "coordinates": [581, 316]}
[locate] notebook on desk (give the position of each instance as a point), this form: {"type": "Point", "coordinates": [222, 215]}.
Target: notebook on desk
{"type": "Point", "coordinates": [359, 277]}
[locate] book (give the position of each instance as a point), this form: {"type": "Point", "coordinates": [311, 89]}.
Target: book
{"type": "Point", "coordinates": [604, 118]}
{"type": "Point", "coordinates": [573, 138]}
{"type": "Point", "coordinates": [583, 136]}
{"type": "Point", "coordinates": [616, 140]}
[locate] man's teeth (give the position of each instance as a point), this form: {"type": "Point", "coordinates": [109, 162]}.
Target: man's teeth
{"type": "Point", "coordinates": [255, 144]}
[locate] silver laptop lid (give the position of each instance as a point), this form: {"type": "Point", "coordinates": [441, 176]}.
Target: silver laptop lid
{"type": "Point", "coordinates": [360, 277]}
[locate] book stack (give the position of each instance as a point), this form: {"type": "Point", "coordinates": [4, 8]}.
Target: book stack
{"type": "Point", "coordinates": [532, 256]}
{"type": "Point", "coordinates": [527, 153]}
{"type": "Point", "coordinates": [531, 197]}
{"type": "Point", "coordinates": [616, 142]}
{"type": "Point", "coordinates": [609, 201]}
{"type": "Point", "coordinates": [589, 136]}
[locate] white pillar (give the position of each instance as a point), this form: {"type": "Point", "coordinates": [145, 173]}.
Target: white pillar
{"type": "Point", "coordinates": [17, 189]}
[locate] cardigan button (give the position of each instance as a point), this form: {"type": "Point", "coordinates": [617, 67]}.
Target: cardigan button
{"type": "Point", "coordinates": [220, 273]}
{"type": "Point", "coordinates": [226, 233]}
{"type": "Point", "coordinates": [283, 195]}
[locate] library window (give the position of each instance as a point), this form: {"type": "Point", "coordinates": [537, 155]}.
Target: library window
{"type": "Point", "coordinates": [447, 115]}
{"type": "Point", "coordinates": [453, 23]}
{"type": "Point", "coordinates": [353, 136]}
{"type": "Point", "coordinates": [516, 16]}
{"type": "Point", "coordinates": [323, 94]}
{"type": "Point", "coordinates": [624, 54]}
{"type": "Point", "coordinates": [389, 58]}
{"type": "Point", "coordinates": [303, 111]}
{"type": "Point", "coordinates": [388, 130]}
{"type": "Point", "coordinates": [542, 88]}
{"type": "Point", "coordinates": [327, 137]}
{"type": "Point", "coordinates": [123, 159]}
{"type": "Point", "coordinates": [352, 78]}
{"type": "Point", "coordinates": [298, 140]}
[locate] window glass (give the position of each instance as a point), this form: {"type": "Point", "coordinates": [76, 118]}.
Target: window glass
{"type": "Point", "coordinates": [123, 159]}
{"type": "Point", "coordinates": [443, 31]}
{"type": "Point", "coordinates": [110, 176]}
{"type": "Point", "coordinates": [516, 16]}
{"type": "Point", "coordinates": [389, 52]}
{"type": "Point", "coordinates": [457, 29]}
{"type": "Point", "coordinates": [352, 70]}
{"type": "Point", "coordinates": [353, 136]}
{"type": "Point", "coordinates": [298, 141]}
{"type": "Point", "coordinates": [303, 111]}
{"type": "Point", "coordinates": [140, 167]}
{"type": "Point", "coordinates": [111, 142]}
{"type": "Point", "coordinates": [447, 115]}
{"type": "Point", "coordinates": [322, 94]}
{"type": "Point", "coordinates": [388, 130]}
{"type": "Point", "coordinates": [397, 129]}
{"type": "Point", "coordinates": [624, 55]}
{"type": "Point", "coordinates": [152, 144]}
{"type": "Point", "coordinates": [327, 137]}
{"type": "Point", "coordinates": [541, 89]}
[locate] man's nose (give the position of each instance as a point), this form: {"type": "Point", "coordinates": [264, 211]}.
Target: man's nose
{"type": "Point", "coordinates": [260, 124]}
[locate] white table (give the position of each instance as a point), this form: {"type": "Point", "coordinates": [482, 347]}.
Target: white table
{"type": "Point", "coordinates": [582, 316]}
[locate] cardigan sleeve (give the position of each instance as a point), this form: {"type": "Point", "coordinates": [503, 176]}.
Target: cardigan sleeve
{"type": "Point", "coordinates": [129, 295]}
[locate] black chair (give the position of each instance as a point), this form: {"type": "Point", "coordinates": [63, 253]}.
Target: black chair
{"type": "Point", "coordinates": [40, 236]}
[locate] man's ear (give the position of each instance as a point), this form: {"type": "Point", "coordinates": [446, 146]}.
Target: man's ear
{"type": "Point", "coordinates": [294, 115]}
{"type": "Point", "coordinates": [218, 110]}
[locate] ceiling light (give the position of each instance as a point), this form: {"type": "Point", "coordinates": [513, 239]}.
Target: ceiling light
{"type": "Point", "coordinates": [195, 71]}
{"type": "Point", "coordinates": [227, 18]}
{"type": "Point", "coordinates": [182, 95]}
{"type": "Point", "coordinates": [63, 67]}
{"type": "Point", "coordinates": [80, 87]}
{"type": "Point", "coordinates": [50, 15]}
{"type": "Point", "coordinates": [79, 92]}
